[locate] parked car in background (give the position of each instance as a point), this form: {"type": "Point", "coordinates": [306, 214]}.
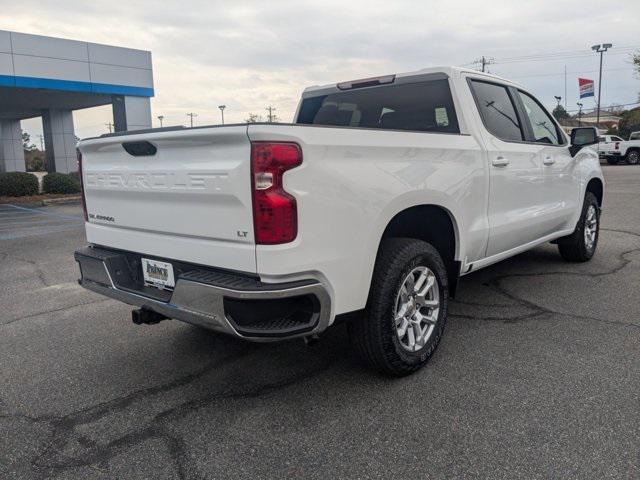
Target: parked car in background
{"type": "Point", "coordinates": [624, 150]}
{"type": "Point", "coordinates": [366, 210]}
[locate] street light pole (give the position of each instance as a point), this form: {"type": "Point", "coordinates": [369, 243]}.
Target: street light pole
{"type": "Point", "coordinates": [579, 113]}
{"type": "Point", "coordinates": [222, 107]}
{"type": "Point", "coordinates": [161, 118]}
{"type": "Point", "coordinates": [600, 49]}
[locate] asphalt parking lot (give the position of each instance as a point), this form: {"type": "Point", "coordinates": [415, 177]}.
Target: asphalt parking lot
{"type": "Point", "coordinates": [538, 376]}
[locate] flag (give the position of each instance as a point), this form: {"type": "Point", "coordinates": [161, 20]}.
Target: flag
{"type": "Point", "coordinates": [586, 87]}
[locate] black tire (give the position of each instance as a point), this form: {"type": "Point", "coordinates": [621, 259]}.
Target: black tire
{"type": "Point", "coordinates": [574, 247]}
{"type": "Point", "coordinates": [633, 157]}
{"type": "Point", "coordinates": [374, 333]}
{"type": "Point", "coordinates": [612, 160]}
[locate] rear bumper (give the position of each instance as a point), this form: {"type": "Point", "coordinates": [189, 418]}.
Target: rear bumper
{"type": "Point", "coordinates": [236, 304]}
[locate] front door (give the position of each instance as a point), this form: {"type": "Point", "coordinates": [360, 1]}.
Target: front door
{"type": "Point", "coordinates": [559, 195]}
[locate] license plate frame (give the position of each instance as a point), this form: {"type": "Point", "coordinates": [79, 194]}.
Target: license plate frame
{"type": "Point", "coordinates": [158, 274]}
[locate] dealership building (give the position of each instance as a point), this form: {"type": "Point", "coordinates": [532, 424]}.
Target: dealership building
{"type": "Point", "coordinates": [51, 77]}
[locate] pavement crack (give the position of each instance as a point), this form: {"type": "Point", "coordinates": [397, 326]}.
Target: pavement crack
{"type": "Point", "coordinates": [37, 314]}
{"type": "Point", "coordinates": [52, 460]}
{"type": "Point", "coordinates": [38, 271]}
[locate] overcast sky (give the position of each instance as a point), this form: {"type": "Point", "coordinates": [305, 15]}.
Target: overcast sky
{"type": "Point", "coordinates": [248, 55]}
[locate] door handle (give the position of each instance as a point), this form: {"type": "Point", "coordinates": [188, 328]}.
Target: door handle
{"type": "Point", "coordinates": [549, 161]}
{"type": "Point", "coordinates": [499, 162]}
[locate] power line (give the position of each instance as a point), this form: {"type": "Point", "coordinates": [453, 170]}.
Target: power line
{"type": "Point", "coordinates": [560, 55]}
{"type": "Point", "coordinates": [573, 73]}
{"type": "Point", "coordinates": [616, 105]}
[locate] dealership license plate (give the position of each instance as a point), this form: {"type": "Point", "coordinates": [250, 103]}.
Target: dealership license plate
{"type": "Point", "coordinates": [158, 274]}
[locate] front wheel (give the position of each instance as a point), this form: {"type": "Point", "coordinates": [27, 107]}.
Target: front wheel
{"type": "Point", "coordinates": [581, 245]}
{"type": "Point", "coordinates": [633, 157]}
{"type": "Point", "coordinates": [407, 308]}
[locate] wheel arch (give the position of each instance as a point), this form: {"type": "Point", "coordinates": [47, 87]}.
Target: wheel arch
{"type": "Point", "coordinates": [596, 186]}
{"type": "Point", "coordinates": [434, 224]}
{"type": "Point", "coordinates": [631, 149]}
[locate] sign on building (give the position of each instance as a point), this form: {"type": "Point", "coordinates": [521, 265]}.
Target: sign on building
{"type": "Point", "coordinates": [586, 87]}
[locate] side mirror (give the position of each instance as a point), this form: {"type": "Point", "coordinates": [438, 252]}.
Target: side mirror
{"type": "Point", "coordinates": [581, 137]}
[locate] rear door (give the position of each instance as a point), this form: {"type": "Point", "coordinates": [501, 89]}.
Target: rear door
{"type": "Point", "coordinates": [559, 195]}
{"type": "Point", "coordinates": [516, 179]}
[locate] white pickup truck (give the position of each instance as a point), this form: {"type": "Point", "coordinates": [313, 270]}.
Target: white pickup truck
{"type": "Point", "coordinates": [366, 210]}
{"type": "Point", "coordinates": [616, 150]}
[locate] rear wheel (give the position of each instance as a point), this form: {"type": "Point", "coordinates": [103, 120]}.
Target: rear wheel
{"type": "Point", "coordinates": [633, 157]}
{"type": "Point", "coordinates": [407, 308]}
{"type": "Point", "coordinates": [581, 245]}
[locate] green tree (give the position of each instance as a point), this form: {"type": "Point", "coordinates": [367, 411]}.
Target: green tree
{"type": "Point", "coordinates": [26, 142]}
{"type": "Point", "coordinates": [630, 122]}
{"type": "Point", "coordinates": [635, 58]}
{"type": "Point", "coordinates": [253, 118]}
{"type": "Point", "coordinates": [560, 113]}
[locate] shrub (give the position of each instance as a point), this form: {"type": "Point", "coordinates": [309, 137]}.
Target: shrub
{"type": "Point", "coordinates": [75, 176]}
{"type": "Point", "coordinates": [18, 184]}
{"type": "Point", "coordinates": [60, 183]}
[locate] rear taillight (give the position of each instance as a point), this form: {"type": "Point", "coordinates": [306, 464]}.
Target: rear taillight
{"type": "Point", "coordinates": [84, 200]}
{"type": "Point", "coordinates": [617, 146]}
{"type": "Point", "coordinates": [275, 215]}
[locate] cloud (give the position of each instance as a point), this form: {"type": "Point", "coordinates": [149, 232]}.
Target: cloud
{"type": "Point", "coordinates": [248, 54]}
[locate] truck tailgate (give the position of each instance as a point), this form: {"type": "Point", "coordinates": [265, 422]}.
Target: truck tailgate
{"type": "Point", "coordinates": [190, 200]}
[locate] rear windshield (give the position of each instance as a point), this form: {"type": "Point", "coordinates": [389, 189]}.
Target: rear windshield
{"type": "Point", "coordinates": [422, 107]}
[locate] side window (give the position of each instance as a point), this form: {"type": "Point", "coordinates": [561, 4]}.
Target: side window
{"type": "Point", "coordinates": [602, 139]}
{"type": "Point", "coordinates": [616, 139]}
{"type": "Point", "coordinates": [544, 128]}
{"type": "Point", "coordinates": [497, 110]}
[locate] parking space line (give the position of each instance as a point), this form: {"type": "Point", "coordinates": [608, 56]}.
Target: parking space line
{"type": "Point", "coordinates": [42, 231]}
{"type": "Point", "coordinates": [18, 222]}
{"type": "Point", "coordinates": [41, 212]}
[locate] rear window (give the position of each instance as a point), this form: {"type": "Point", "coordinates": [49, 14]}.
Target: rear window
{"type": "Point", "coordinates": [423, 107]}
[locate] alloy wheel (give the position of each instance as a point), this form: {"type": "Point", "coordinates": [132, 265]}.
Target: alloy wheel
{"type": "Point", "coordinates": [416, 308]}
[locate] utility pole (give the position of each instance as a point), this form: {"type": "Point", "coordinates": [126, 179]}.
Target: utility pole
{"type": "Point", "coordinates": [565, 87]}
{"type": "Point", "coordinates": [579, 114]}
{"type": "Point", "coordinates": [271, 116]}
{"type": "Point", "coordinates": [484, 62]}
{"type": "Point", "coordinates": [109, 126]}
{"type": "Point", "coordinates": [191, 115]}
{"type": "Point", "coordinates": [161, 118]}
{"type": "Point", "coordinates": [222, 107]}
{"type": "Point", "coordinates": [600, 49]}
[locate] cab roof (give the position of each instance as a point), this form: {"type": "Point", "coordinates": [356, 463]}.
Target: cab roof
{"type": "Point", "coordinates": [448, 71]}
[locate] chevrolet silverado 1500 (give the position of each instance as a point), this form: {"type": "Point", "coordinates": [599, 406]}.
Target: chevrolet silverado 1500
{"type": "Point", "coordinates": [623, 150]}
{"type": "Point", "coordinates": [367, 209]}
